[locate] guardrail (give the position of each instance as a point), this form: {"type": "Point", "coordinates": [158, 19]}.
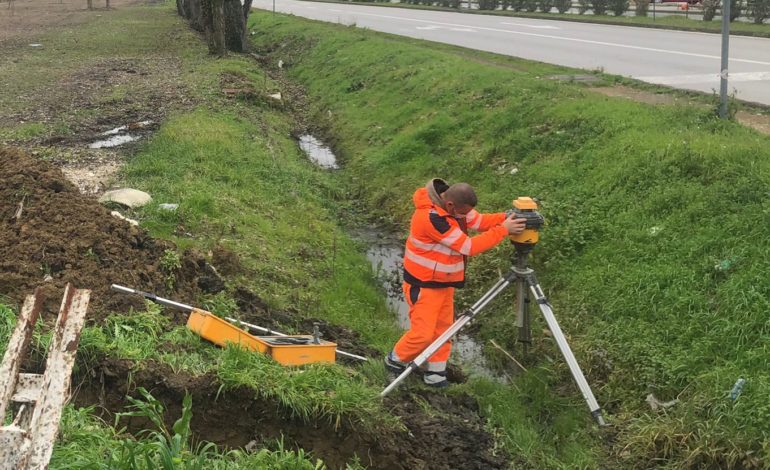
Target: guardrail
{"type": "Point", "coordinates": [692, 9]}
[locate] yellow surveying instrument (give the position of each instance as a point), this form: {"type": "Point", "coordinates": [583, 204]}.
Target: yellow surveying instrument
{"type": "Point", "coordinates": [526, 285]}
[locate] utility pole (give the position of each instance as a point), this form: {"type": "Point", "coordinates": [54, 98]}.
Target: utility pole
{"type": "Point", "coordinates": [725, 52]}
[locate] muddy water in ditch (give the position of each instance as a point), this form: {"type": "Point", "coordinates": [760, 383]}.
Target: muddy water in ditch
{"type": "Point", "coordinates": [385, 252]}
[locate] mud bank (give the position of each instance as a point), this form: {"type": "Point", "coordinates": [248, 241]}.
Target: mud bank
{"type": "Point", "coordinates": [451, 436]}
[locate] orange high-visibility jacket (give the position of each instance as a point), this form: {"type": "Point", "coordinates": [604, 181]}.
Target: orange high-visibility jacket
{"type": "Point", "coordinates": [438, 242]}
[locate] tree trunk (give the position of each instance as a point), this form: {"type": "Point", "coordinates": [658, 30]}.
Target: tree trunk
{"type": "Point", "coordinates": [246, 11]}
{"type": "Point", "coordinates": [217, 41]}
{"type": "Point", "coordinates": [180, 7]}
{"type": "Point", "coordinates": [235, 26]}
{"type": "Point", "coordinates": [194, 12]}
{"type": "Point", "coordinates": [90, 4]}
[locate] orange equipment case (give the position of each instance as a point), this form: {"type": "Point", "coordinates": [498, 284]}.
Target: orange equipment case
{"type": "Point", "coordinates": [298, 354]}
{"type": "Point", "coordinates": [221, 332]}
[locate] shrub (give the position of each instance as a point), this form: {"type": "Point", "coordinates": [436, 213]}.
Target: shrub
{"type": "Point", "coordinates": [710, 9]}
{"type": "Point", "coordinates": [599, 7]}
{"type": "Point", "coordinates": [563, 6]}
{"type": "Point", "coordinates": [545, 5]}
{"type": "Point", "coordinates": [530, 5]}
{"type": "Point", "coordinates": [488, 4]}
{"type": "Point", "coordinates": [619, 6]}
{"type": "Point", "coordinates": [736, 8]}
{"type": "Point", "coordinates": [642, 7]}
{"type": "Point", "coordinates": [516, 5]}
{"type": "Point", "coordinates": [583, 6]}
{"type": "Point", "coordinates": [759, 11]}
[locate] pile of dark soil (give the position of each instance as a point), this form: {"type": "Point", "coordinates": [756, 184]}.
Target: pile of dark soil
{"type": "Point", "coordinates": [51, 235]}
{"type": "Point", "coordinates": [452, 436]}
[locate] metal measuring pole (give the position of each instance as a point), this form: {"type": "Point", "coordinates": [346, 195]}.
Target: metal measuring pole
{"type": "Point", "coordinates": [451, 331]}
{"type": "Point", "coordinates": [725, 53]}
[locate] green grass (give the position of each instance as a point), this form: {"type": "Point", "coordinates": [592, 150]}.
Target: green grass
{"type": "Point", "coordinates": [86, 442]}
{"type": "Point", "coordinates": [644, 204]}
{"type": "Point", "coordinates": [676, 21]}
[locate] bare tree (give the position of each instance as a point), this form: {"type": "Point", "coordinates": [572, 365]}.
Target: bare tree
{"type": "Point", "coordinates": [217, 32]}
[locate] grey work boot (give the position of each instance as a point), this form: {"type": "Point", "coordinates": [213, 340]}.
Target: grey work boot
{"type": "Point", "coordinates": [393, 365]}
{"type": "Point", "coordinates": [435, 379]}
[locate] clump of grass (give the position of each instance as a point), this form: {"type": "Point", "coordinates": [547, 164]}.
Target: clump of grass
{"type": "Point", "coordinates": [170, 264]}
{"type": "Point", "coordinates": [313, 392]}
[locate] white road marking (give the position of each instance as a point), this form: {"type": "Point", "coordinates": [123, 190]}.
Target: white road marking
{"type": "Point", "coordinates": [706, 78]}
{"type": "Point", "coordinates": [562, 38]}
{"type": "Point", "coordinates": [434, 28]}
{"type": "Point", "coordinates": [531, 25]}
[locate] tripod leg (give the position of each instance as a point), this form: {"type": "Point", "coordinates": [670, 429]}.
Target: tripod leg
{"type": "Point", "coordinates": [522, 314]}
{"type": "Point", "coordinates": [461, 321]}
{"type": "Point", "coordinates": [561, 341]}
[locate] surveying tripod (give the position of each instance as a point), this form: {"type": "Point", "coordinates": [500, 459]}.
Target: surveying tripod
{"type": "Point", "coordinates": [526, 284]}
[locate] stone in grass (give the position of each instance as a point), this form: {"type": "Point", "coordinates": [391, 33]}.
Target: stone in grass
{"type": "Point", "coordinates": [128, 197]}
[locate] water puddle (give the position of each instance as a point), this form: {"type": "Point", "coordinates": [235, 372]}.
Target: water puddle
{"type": "Point", "coordinates": [119, 135]}
{"type": "Point", "coordinates": [386, 253]}
{"type": "Point", "coordinates": [319, 153]}
{"type": "Point", "coordinates": [113, 141]}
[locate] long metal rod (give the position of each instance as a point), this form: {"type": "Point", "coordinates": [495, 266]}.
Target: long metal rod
{"type": "Point", "coordinates": [566, 351]}
{"type": "Point", "coordinates": [450, 332]}
{"type": "Point", "coordinates": [190, 308]}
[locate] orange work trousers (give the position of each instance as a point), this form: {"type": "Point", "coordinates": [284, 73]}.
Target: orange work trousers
{"type": "Point", "coordinates": [431, 312]}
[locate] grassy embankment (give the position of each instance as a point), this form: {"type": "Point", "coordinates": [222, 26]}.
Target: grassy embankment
{"type": "Point", "coordinates": [655, 256]}
{"type": "Point", "coordinates": [241, 183]}
{"type": "Point", "coordinates": [677, 21]}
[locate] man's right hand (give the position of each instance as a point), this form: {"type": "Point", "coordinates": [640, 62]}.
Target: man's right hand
{"type": "Point", "coordinates": [513, 225]}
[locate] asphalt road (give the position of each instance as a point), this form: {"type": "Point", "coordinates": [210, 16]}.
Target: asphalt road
{"type": "Point", "coordinates": [674, 58]}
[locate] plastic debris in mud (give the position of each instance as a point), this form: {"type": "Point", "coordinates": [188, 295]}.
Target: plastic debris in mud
{"type": "Point", "coordinates": [120, 216]}
{"type": "Point", "coordinates": [737, 389]}
{"type": "Point", "coordinates": [656, 404]}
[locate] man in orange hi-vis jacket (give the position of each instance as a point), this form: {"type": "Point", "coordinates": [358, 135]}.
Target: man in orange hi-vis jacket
{"type": "Point", "coordinates": [434, 265]}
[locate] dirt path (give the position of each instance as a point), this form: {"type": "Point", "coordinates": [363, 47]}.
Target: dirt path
{"type": "Point", "coordinates": [750, 118]}
{"type": "Point", "coordinates": [21, 21]}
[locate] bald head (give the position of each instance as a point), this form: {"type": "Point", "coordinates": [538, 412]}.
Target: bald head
{"type": "Point", "coordinates": [461, 194]}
